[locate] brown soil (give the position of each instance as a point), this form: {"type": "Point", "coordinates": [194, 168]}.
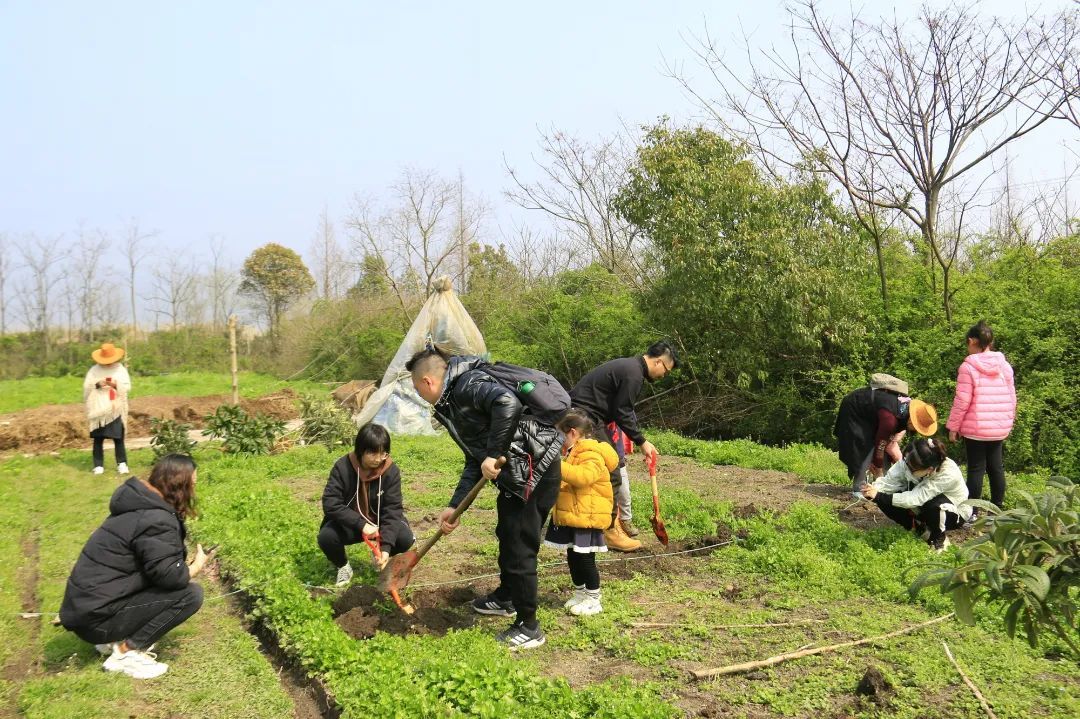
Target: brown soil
{"type": "Point", "coordinates": [363, 610]}
{"type": "Point", "coordinates": [58, 426]}
{"type": "Point", "coordinates": [874, 686]}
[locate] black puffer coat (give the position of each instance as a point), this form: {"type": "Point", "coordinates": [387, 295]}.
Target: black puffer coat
{"type": "Point", "coordinates": [485, 419]}
{"type": "Point", "coordinates": [139, 545]}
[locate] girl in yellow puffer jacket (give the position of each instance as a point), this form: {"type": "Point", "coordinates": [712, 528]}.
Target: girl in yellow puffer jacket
{"type": "Point", "coordinates": [583, 510]}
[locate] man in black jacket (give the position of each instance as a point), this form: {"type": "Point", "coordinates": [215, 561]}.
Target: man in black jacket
{"type": "Point", "coordinates": [607, 394]}
{"type": "Point", "coordinates": [488, 421]}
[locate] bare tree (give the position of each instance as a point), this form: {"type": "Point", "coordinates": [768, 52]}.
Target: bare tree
{"type": "Point", "coordinates": [329, 260]}
{"type": "Point", "coordinates": [87, 275]}
{"type": "Point", "coordinates": [901, 115]}
{"type": "Point", "coordinates": [174, 287]}
{"type": "Point", "coordinates": [43, 260]}
{"type": "Point", "coordinates": [468, 216]}
{"type": "Point", "coordinates": [222, 283]}
{"type": "Point", "coordinates": [135, 250]}
{"type": "Point", "coordinates": [417, 238]}
{"type": "Point", "coordinates": [578, 181]}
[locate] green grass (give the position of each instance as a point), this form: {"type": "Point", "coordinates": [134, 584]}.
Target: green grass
{"type": "Point", "coordinates": [216, 669]}
{"type": "Point", "coordinates": [17, 394]}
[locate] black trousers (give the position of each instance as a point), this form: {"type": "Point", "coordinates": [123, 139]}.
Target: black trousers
{"type": "Point", "coordinates": [986, 458]}
{"type": "Point", "coordinates": [146, 617]}
{"type": "Point", "coordinates": [930, 515]}
{"type": "Point", "coordinates": [99, 452]}
{"type": "Point", "coordinates": [583, 569]}
{"type": "Point", "coordinates": [518, 531]}
{"type": "Point", "coordinates": [334, 537]}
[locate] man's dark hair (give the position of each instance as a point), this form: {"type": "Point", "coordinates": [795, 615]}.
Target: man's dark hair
{"type": "Point", "coordinates": [371, 438]}
{"type": "Point", "coordinates": [420, 363]}
{"type": "Point", "coordinates": [661, 348]}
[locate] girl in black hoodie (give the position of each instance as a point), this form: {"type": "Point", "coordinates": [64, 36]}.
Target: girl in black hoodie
{"type": "Point", "coordinates": [362, 503]}
{"type": "Point", "coordinates": [132, 581]}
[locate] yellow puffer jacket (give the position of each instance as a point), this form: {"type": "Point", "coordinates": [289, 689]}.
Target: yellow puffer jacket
{"type": "Point", "coordinates": [585, 498]}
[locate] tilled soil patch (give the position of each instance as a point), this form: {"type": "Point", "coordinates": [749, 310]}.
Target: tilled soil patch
{"type": "Point", "coordinates": [59, 426]}
{"type": "Point", "coordinates": [361, 611]}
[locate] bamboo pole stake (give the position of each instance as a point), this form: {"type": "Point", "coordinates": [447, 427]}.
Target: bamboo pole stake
{"type": "Point", "coordinates": [970, 684]}
{"type": "Point", "coordinates": [750, 666]}
{"type": "Point", "coordinates": [660, 625]}
{"type": "Point", "coordinates": [232, 356]}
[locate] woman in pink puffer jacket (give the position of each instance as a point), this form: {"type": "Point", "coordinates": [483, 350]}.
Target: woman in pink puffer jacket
{"type": "Point", "coordinates": [983, 411]}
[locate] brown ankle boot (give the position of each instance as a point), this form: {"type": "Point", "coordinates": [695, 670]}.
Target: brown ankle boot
{"type": "Point", "coordinates": [617, 539]}
{"type": "Point", "coordinates": [628, 527]}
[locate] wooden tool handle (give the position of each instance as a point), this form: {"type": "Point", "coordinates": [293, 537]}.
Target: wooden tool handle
{"type": "Point", "coordinates": [458, 511]}
{"type": "Point", "coordinates": [655, 490]}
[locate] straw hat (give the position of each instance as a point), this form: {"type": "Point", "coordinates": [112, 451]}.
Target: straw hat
{"type": "Point", "coordinates": [923, 418]}
{"type": "Point", "coordinates": [108, 353]}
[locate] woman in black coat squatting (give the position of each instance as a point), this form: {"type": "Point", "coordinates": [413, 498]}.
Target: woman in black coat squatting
{"type": "Point", "coordinates": [132, 581]}
{"type": "Point", "coordinates": [362, 503]}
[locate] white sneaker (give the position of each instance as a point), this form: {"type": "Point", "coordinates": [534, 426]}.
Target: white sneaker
{"type": "Point", "coordinates": [99, 470]}
{"type": "Point", "coordinates": [105, 649]}
{"type": "Point", "coordinates": [578, 597]}
{"type": "Point", "coordinates": [344, 576]}
{"type": "Point", "coordinates": [136, 664]}
{"type": "Point", "coordinates": [587, 608]}
{"type": "Point", "coordinates": [122, 468]}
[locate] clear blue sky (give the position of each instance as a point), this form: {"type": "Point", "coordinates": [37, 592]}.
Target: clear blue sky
{"type": "Point", "coordinates": [244, 119]}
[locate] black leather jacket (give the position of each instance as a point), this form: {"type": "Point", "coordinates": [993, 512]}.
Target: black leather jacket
{"type": "Point", "coordinates": [486, 420]}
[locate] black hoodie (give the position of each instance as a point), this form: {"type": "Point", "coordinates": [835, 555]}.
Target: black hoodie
{"type": "Point", "coordinates": [140, 545]}
{"type": "Point", "coordinates": [608, 394]}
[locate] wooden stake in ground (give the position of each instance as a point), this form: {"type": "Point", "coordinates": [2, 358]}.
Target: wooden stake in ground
{"type": "Point", "coordinates": [751, 666]}
{"type": "Point", "coordinates": [970, 684]}
{"type": "Point", "coordinates": [232, 355]}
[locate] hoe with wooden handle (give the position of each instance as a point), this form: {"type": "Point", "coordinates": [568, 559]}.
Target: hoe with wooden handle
{"type": "Point", "coordinates": [397, 573]}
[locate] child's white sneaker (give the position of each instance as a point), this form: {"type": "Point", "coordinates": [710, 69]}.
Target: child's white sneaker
{"type": "Point", "coordinates": [136, 664]}
{"type": "Point", "coordinates": [578, 597]}
{"type": "Point", "coordinates": [587, 608]}
{"type": "Point", "coordinates": [99, 470]}
{"type": "Point", "coordinates": [344, 576]}
{"type": "Point", "coordinates": [122, 468]}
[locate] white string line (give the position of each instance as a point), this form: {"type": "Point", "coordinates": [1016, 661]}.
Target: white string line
{"type": "Point", "coordinates": [636, 557]}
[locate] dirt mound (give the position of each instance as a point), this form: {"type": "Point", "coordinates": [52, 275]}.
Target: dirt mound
{"type": "Point", "coordinates": [58, 426]}
{"type": "Point", "coordinates": [362, 611]}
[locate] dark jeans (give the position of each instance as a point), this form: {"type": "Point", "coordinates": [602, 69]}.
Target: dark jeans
{"type": "Point", "coordinates": [856, 472]}
{"type": "Point", "coordinates": [99, 452]}
{"type": "Point", "coordinates": [518, 530]}
{"type": "Point", "coordinates": [583, 569]}
{"type": "Point", "coordinates": [146, 617]}
{"type": "Point", "coordinates": [986, 458]}
{"type": "Point", "coordinates": [930, 515]}
{"type": "Point", "coordinates": [333, 538]}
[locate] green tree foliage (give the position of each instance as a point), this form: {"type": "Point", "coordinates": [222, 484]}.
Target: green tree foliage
{"type": "Point", "coordinates": [372, 281]}
{"type": "Point", "coordinates": [275, 277]}
{"type": "Point", "coordinates": [762, 279]}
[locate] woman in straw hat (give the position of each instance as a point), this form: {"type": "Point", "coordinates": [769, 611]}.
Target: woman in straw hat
{"type": "Point", "coordinates": [105, 392]}
{"type": "Point", "coordinates": [868, 420]}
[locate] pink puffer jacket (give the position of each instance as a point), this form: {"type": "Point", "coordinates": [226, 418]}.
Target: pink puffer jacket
{"type": "Point", "coordinates": [985, 403]}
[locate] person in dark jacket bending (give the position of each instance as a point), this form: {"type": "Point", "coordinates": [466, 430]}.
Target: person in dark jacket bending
{"type": "Point", "coordinates": [132, 581]}
{"type": "Point", "coordinates": [362, 503]}
{"type": "Point", "coordinates": [488, 421]}
{"type": "Point", "coordinates": [607, 394]}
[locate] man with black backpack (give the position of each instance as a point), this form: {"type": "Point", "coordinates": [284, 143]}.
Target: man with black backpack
{"type": "Point", "coordinates": [493, 411]}
{"type": "Point", "coordinates": [607, 394]}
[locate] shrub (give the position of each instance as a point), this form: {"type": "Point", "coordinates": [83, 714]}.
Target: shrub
{"type": "Point", "coordinates": [241, 433]}
{"type": "Point", "coordinates": [1029, 562]}
{"type": "Point", "coordinates": [168, 436]}
{"type": "Point", "coordinates": [325, 422]}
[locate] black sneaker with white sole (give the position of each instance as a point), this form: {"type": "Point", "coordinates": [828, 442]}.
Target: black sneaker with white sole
{"type": "Point", "coordinates": [518, 636]}
{"type": "Point", "coordinates": [494, 607]}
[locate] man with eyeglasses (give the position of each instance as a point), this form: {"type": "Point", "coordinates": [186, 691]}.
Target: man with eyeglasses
{"type": "Point", "coordinates": [607, 394]}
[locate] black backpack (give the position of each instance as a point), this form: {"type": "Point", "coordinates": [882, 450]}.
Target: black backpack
{"type": "Point", "coordinates": [544, 398]}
